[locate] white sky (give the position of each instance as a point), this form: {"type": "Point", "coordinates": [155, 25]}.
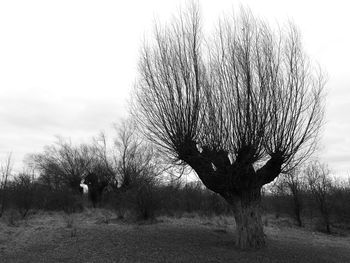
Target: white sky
{"type": "Point", "coordinates": [67, 67]}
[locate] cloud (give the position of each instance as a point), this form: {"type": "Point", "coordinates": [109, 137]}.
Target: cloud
{"type": "Point", "coordinates": [30, 120]}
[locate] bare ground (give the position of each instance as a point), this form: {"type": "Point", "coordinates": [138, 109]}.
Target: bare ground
{"type": "Point", "coordinates": [97, 236]}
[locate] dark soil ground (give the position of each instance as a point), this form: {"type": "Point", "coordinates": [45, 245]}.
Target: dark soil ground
{"type": "Point", "coordinates": [96, 236]}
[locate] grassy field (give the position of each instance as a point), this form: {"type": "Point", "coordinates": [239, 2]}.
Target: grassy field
{"type": "Point", "coordinates": [98, 236]}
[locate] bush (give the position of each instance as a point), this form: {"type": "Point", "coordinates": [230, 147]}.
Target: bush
{"type": "Point", "coordinates": [25, 194]}
{"type": "Point", "coordinates": [146, 201]}
{"type": "Point", "coordinates": [22, 191]}
{"type": "Point", "coordinates": [62, 199]}
{"type": "Point", "coordinates": [340, 203]}
{"type": "Point", "coordinates": [175, 198]}
{"type": "Point", "coordinates": [142, 199]}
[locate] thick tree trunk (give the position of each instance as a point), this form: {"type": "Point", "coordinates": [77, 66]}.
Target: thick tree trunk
{"type": "Point", "coordinates": [249, 226]}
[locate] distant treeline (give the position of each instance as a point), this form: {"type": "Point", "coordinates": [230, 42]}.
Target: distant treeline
{"type": "Point", "coordinates": [128, 174]}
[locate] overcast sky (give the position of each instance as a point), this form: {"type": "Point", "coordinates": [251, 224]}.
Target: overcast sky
{"type": "Point", "coordinates": [67, 67]}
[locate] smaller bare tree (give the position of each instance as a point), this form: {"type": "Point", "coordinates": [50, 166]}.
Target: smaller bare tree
{"type": "Point", "coordinates": [5, 172]}
{"type": "Point", "coordinates": [102, 170]}
{"type": "Point", "coordinates": [64, 164]}
{"type": "Point", "coordinates": [137, 160]}
{"type": "Point", "coordinates": [293, 182]}
{"type": "Point", "coordinates": [106, 156]}
{"type": "Point", "coordinates": [23, 193]}
{"type": "Point", "coordinates": [320, 185]}
{"type": "Point", "coordinates": [139, 167]}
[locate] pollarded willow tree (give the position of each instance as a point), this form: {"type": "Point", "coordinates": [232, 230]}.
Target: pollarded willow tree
{"type": "Point", "coordinates": [238, 107]}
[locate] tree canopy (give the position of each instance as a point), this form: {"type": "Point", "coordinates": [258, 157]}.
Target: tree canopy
{"type": "Point", "coordinates": [239, 107]}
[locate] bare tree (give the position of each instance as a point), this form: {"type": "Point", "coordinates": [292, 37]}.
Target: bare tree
{"type": "Point", "coordinates": [320, 185]}
{"type": "Point", "coordinates": [136, 159]}
{"type": "Point", "coordinates": [294, 182]}
{"type": "Point", "coordinates": [5, 172]}
{"type": "Point", "coordinates": [238, 111]}
{"type": "Point", "coordinates": [102, 171]}
{"type": "Point", "coordinates": [106, 157]}
{"type": "Point", "coordinates": [63, 164]}
{"type": "Point", "coordinates": [23, 193]}
{"type": "Point", "coordinates": [139, 168]}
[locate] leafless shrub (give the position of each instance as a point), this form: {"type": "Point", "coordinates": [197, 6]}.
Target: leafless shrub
{"type": "Point", "coordinates": [294, 183]}
{"type": "Point", "coordinates": [63, 164]}
{"type": "Point", "coordinates": [22, 193]}
{"type": "Point", "coordinates": [5, 173]}
{"type": "Point", "coordinates": [320, 185]}
{"type": "Point", "coordinates": [138, 169]}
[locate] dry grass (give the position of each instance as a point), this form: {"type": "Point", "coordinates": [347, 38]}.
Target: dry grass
{"type": "Point", "coordinates": [101, 237]}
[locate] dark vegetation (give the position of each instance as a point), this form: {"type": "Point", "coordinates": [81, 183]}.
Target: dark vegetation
{"type": "Point", "coordinates": [128, 177]}
{"type": "Point", "coordinates": [312, 198]}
